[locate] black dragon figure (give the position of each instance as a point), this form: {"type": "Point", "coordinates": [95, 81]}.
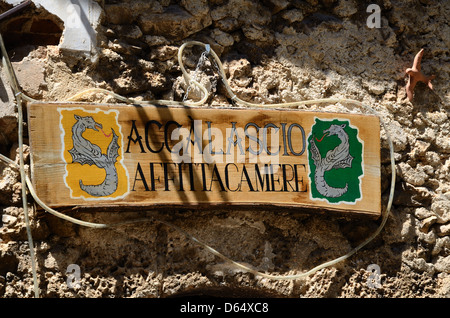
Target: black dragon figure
{"type": "Point", "coordinates": [85, 152]}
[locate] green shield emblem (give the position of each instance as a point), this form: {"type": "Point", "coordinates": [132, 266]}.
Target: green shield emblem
{"type": "Point", "coordinates": [335, 156]}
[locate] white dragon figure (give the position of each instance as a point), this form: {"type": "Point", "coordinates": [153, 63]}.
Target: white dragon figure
{"type": "Point", "coordinates": [336, 158]}
{"type": "Point", "coordinates": [85, 152]}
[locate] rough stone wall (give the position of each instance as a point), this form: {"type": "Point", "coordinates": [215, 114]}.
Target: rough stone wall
{"type": "Point", "coordinates": [273, 51]}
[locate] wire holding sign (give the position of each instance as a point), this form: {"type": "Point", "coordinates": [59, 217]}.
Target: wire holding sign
{"type": "Point", "coordinates": [215, 251]}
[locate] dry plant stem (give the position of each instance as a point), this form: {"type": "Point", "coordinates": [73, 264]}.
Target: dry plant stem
{"type": "Point", "coordinates": [234, 98]}
{"type": "Point", "coordinates": [15, 86]}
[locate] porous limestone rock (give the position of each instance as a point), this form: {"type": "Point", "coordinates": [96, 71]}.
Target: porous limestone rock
{"type": "Point", "coordinates": [273, 51]}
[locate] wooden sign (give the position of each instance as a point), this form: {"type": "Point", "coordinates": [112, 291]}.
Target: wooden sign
{"type": "Point", "coordinates": [94, 155]}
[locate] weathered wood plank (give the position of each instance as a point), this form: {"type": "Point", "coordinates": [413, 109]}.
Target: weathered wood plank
{"type": "Point", "coordinates": [102, 155]}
